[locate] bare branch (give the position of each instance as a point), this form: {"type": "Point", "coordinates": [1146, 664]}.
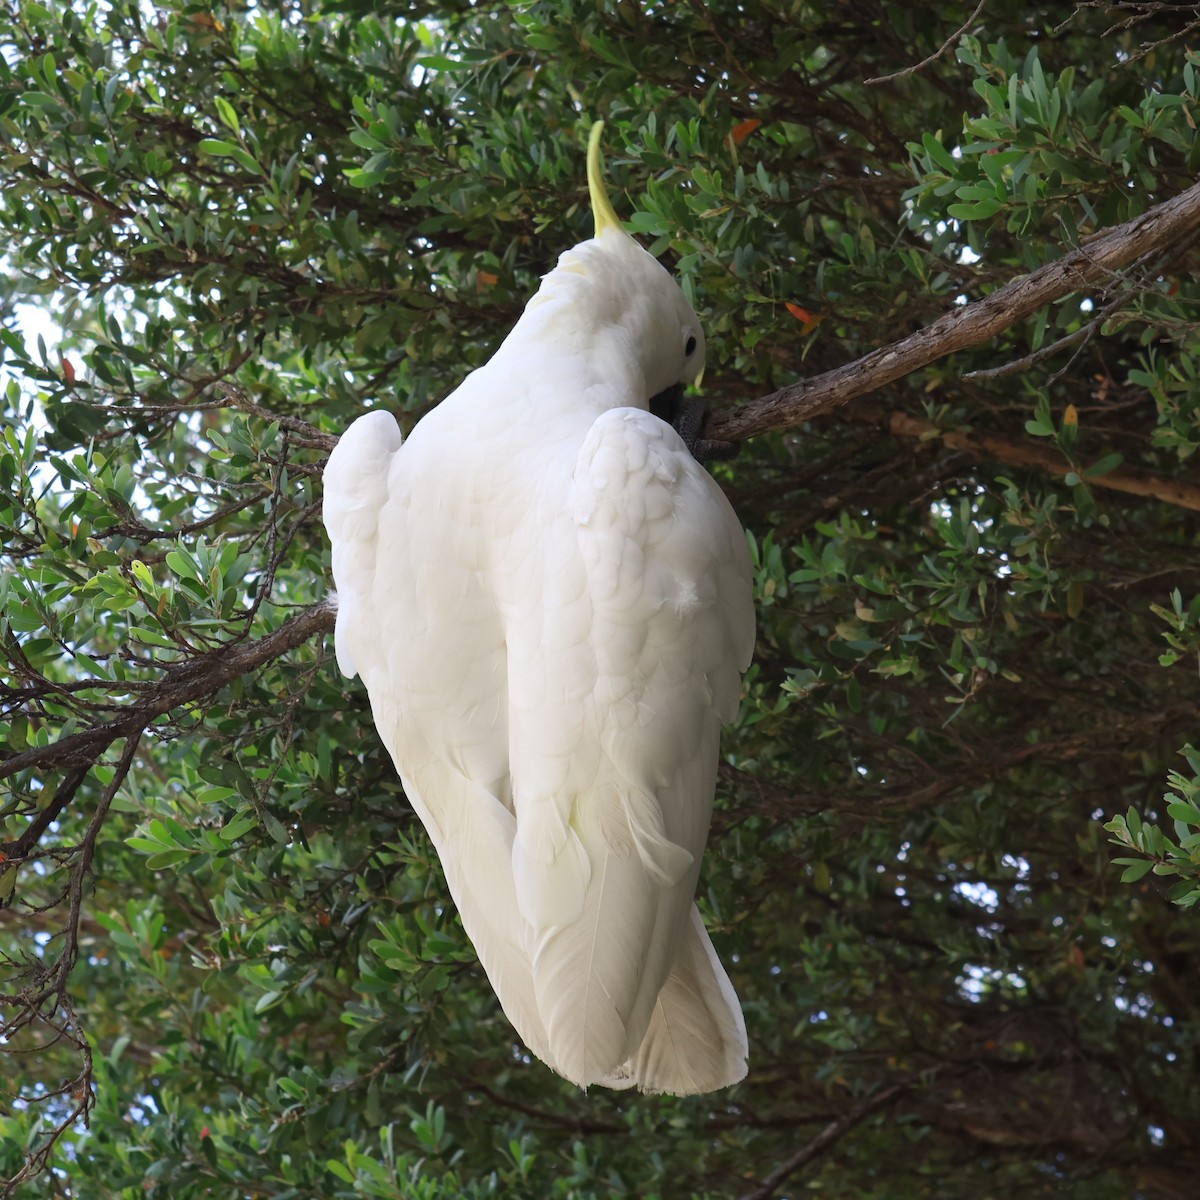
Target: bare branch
{"type": "Point", "coordinates": [1140, 10]}
{"type": "Point", "coordinates": [181, 683]}
{"type": "Point", "coordinates": [1047, 458]}
{"type": "Point", "coordinates": [1153, 232]}
{"type": "Point", "coordinates": [1083, 334]}
{"type": "Point", "coordinates": [307, 435]}
{"type": "Point", "coordinates": [826, 1138]}
{"type": "Point", "coordinates": [936, 54]}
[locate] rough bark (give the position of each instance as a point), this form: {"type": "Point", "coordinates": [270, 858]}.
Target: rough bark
{"type": "Point", "coordinates": [1154, 231]}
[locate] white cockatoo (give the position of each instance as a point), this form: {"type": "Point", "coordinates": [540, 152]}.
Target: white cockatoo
{"type": "Point", "coordinates": [548, 600]}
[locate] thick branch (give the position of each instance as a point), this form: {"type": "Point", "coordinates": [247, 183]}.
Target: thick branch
{"type": "Point", "coordinates": [1047, 458]}
{"type": "Point", "coordinates": [969, 325]}
{"type": "Point", "coordinates": [181, 684]}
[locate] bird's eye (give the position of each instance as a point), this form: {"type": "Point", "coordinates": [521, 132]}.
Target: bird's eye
{"type": "Point", "coordinates": [690, 348]}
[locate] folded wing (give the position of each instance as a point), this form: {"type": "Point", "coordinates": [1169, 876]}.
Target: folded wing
{"type": "Point", "coordinates": [667, 576]}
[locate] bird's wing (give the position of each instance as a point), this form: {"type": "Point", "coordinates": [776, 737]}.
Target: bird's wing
{"type": "Point", "coordinates": [669, 578]}
{"type": "Point", "coordinates": [355, 492]}
{"type": "Point", "coordinates": [606, 863]}
{"type": "Point", "coordinates": [472, 832]}
{"type": "Point", "coordinates": [416, 620]}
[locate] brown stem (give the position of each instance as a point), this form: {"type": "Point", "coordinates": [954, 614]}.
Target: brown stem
{"type": "Point", "coordinates": [968, 325]}
{"type": "Point", "coordinates": [181, 683]}
{"type": "Point", "coordinates": [1030, 454]}
{"type": "Point", "coordinates": [823, 1140]}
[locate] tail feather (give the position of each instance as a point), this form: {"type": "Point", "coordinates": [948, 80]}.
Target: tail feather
{"type": "Point", "coordinates": [696, 1041]}
{"type": "Point", "coordinates": [586, 975]}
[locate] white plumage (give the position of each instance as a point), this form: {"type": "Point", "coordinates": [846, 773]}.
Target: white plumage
{"type": "Point", "coordinates": [548, 600]}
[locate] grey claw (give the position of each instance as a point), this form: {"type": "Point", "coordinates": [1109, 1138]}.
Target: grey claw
{"type": "Point", "coordinates": [691, 416]}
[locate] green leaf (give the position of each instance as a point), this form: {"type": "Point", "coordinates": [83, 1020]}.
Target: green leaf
{"type": "Point", "coordinates": [1181, 810]}
{"type": "Point", "coordinates": [142, 572]}
{"type": "Point", "coordinates": [938, 153]}
{"type": "Point", "coordinates": [1104, 466]}
{"type": "Point", "coordinates": [276, 829]}
{"type": "Point", "coordinates": [167, 859]}
{"type": "Point", "coordinates": [267, 1000]}
{"type": "Point", "coordinates": [238, 825]}
{"type": "Point", "coordinates": [227, 114]}
{"type": "Point", "coordinates": [145, 845]}
{"type": "Point", "coordinates": [979, 210]}
{"type": "Point", "coordinates": [182, 566]}
{"type": "Point", "coordinates": [230, 150]}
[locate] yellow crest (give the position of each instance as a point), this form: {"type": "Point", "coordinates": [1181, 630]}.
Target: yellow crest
{"type": "Point", "coordinates": [602, 209]}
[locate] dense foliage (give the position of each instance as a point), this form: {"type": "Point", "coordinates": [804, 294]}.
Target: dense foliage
{"type": "Point", "coordinates": [253, 220]}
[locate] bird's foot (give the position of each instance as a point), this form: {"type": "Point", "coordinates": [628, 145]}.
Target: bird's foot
{"type": "Point", "coordinates": [690, 418]}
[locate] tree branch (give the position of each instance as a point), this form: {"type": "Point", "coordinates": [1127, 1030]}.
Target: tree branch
{"type": "Point", "coordinates": [45, 999]}
{"type": "Point", "coordinates": [1031, 454]}
{"type": "Point", "coordinates": [306, 434]}
{"type": "Point", "coordinates": [823, 1140]}
{"type": "Point", "coordinates": [181, 683]}
{"type": "Point", "coordinates": [1152, 232]}
{"type": "Point", "coordinates": [1083, 334]}
{"type": "Point", "coordinates": [936, 54]}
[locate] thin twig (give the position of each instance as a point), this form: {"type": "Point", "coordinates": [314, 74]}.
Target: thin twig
{"type": "Point", "coordinates": [138, 532]}
{"type": "Point", "coordinates": [936, 54]}
{"type": "Point", "coordinates": [1083, 333]}
{"type": "Point", "coordinates": [1142, 10]}
{"type": "Point", "coordinates": [826, 1138]}
{"type": "Point", "coordinates": [307, 435]}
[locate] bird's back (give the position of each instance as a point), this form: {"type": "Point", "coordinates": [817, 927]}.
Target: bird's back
{"type": "Point", "coordinates": [551, 612]}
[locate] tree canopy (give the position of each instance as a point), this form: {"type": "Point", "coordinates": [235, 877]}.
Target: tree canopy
{"type": "Point", "coordinates": [947, 267]}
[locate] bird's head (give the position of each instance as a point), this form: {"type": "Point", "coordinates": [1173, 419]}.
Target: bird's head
{"type": "Point", "coordinates": [617, 297]}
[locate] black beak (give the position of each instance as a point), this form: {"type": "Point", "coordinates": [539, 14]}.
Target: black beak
{"type": "Point", "coordinates": [665, 406]}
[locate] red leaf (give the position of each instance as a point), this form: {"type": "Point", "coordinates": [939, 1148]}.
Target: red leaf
{"type": "Point", "coordinates": [69, 370]}
{"type": "Point", "coordinates": [744, 129]}
{"type": "Point", "coordinates": [808, 320]}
